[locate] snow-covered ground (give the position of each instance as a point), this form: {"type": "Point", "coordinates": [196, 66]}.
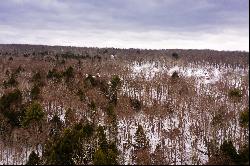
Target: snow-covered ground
{"type": "Point", "coordinates": [189, 146]}
{"type": "Point", "coordinates": [158, 131]}
{"type": "Point", "coordinates": [206, 74]}
{"type": "Point", "coordinates": [149, 70]}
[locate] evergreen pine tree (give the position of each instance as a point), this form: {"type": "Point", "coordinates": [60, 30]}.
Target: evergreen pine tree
{"type": "Point", "coordinates": [140, 138]}
{"type": "Point", "coordinates": [33, 159]}
{"type": "Point", "coordinates": [102, 140]}
{"type": "Point", "coordinates": [100, 158]}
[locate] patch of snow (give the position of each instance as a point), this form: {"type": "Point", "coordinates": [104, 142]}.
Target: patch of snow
{"type": "Point", "coordinates": [148, 70]}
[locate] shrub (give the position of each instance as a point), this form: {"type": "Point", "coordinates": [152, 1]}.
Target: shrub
{"type": "Point", "coordinates": [12, 98]}
{"type": "Point", "coordinates": [108, 157]}
{"type": "Point", "coordinates": [244, 155]}
{"type": "Point", "coordinates": [53, 74]}
{"type": "Point", "coordinates": [5, 128]}
{"type": "Point", "coordinates": [244, 118]}
{"type": "Point", "coordinates": [110, 110]}
{"type": "Point", "coordinates": [175, 55]}
{"type": "Point", "coordinates": [69, 116]}
{"type": "Point", "coordinates": [175, 74]}
{"type": "Point", "coordinates": [56, 126]}
{"type": "Point", "coordinates": [34, 113]}
{"type": "Point", "coordinates": [228, 149]}
{"type": "Point", "coordinates": [11, 82]}
{"type": "Point", "coordinates": [105, 51]}
{"type": "Point", "coordinates": [81, 95]}
{"type": "Point", "coordinates": [227, 155]}
{"type": "Point", "coordinates": [140, 138]}
{"type": "Point", "coordinates": [56, 121]}
{"type": "Point", "coordinates": [100, 158]}
{"type": "Point", "coordinates": [33, 159]}
{"type": "Point", "coordinates": [92, 105]}
{"type": "Point", "coordinates": [136, 104]}
{"type": "Point", "coordinates": [68, 54]}
{"type": "Point", "coordinates": [61, 151]}
{"type": "Point", "coordinates": [115, 82]}
{"type": "Point", "coordinates": [69, 73]}
{"type": "Point", "coordinates": [104, 87]}
{"type": "Point", "coordinates": [63, 61]}
{"type": "Point", "coordinates": [68, 149]}
{"type": "Point", "coordinates": [36, 77]}
{"type": "Point", "coordinates": [235, 93]}
{"type": "Point", "coordinates": [14, 118]}
{"type": "Point", "coordinates": [50, 74]}
{"type": "Point", "coordinates": [102, 139]}
{"type": "Point", "coordinates": [7, 72]}
{"type": "Point", "coordinates": [219, 118]}
{"type": "Point", "coordinates": [231, 156]}
{"type": "Point", "coordinates": [18, 70]}
{"type": "Point", "coordinates": [34, 93]}
{"type": "Point", "coordinates": [90, 81]}
{"type": "Point", "coordinates": [9, 109]}
{"type": "Point", "coordinates": [87, 130]}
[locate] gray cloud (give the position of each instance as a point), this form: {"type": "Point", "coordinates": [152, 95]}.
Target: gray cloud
{"type": "Point", "coordinates": [141, 22]}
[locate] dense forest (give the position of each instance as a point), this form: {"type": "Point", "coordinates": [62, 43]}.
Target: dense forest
{"type": "Point", "coordinates": [109, 106]}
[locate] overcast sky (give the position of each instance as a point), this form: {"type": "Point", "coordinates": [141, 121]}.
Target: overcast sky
{"type": "Point", "coordinates": [152, 24]}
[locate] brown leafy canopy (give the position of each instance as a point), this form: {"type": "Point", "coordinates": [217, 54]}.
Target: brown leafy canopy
{"type": "Point", "coordinates": [100, 88]}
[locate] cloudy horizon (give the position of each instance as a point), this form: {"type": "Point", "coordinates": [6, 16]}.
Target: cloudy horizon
{"type": "Point", "coordinates": [148, 24]}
